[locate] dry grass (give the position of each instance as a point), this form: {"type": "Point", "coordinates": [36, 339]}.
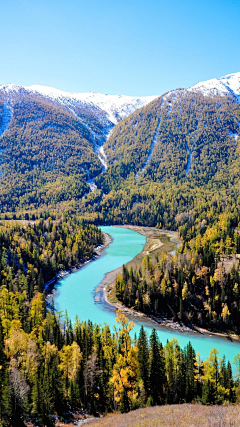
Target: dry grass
{"type": "Point", "coordinates": [174, 416]}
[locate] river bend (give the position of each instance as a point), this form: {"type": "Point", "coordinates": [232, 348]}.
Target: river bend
{"type": "Point", "coordinates": [76, 293]}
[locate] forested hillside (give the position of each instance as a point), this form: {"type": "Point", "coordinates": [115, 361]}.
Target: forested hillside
{"type": "Point", "coordinates": [50, 141]}
{"type": "Point", "coordinates": [170, 155]}
{"type": "Point", "coordinates": [185, 121]}
{"type": "Point", "coordinates": [32, 253]}
{"type": "Point", "coordinates": [174, 164]}
{"type": "Point", "coordinates": [50, 367]}
{"type": "Point", "coordinates": [47, 155]}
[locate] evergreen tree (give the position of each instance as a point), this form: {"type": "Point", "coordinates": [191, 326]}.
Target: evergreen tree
{"type": "Point", "coordinates": [157, 372]}
{"type": "Point", "coordinates": [190, 382]}
{"type": "Point", "coordinates": [143, 358]}
{"type": "Point", "coordinates": [5, 407]}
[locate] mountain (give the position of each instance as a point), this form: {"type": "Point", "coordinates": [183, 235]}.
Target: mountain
{"type": "Point", "coordinates": [55, 146]}
{"type": "Point", "coordinates": [168, 138]}
{"type": "Point", "coordinates": [50, 142]}
{"type": "Point", "coordinates": [108, 108]}
{"type": "Point", "coordinates": [173, 157]}
{"type": "Point", "coordinates": [226, 85]}
{"type": "Point", "coordinates": [116, 107]}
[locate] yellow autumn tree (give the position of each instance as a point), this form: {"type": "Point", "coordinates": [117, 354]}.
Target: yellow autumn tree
{"type": "Point", "coordinates": [185, 291]}
{"type": "Point", "coordinates": [22, 350]}
{"type": "Point", "coordinates": [198, 368]}
{"type": "Point", "coordinates": [225, 313]}
{"type": "Point", "coordinates": [126, 369]}
{"type": "Point", "coordinates": [70, 358]}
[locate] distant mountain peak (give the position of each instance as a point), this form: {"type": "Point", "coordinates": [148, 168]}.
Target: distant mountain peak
{"type": "Point", "coordinates": [229, 84]}
{"type": "Point", "coordinates": [115, 106]}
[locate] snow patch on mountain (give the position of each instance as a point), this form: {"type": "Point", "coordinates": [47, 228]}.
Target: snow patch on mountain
{"type": "Point", "coordinates": [102, 157]}
{"type": "Point", "coordinates": [234, 135]}
{"type": "Point", "coordinates": [226, 85]}
{"type": "Point", "coordinates": [116, 107]}
{"type": "Point", "coordinates": [10, 88]}
{"type": "Point", "coordinates": [154, 142]}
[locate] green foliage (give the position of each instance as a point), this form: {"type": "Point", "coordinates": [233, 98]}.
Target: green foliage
{"type": "Point", "coordinates": [199, 285]}
{"type": "Point", "coordinates": [32, 253]}
{"type": "Point", "coordinates": [46, 155]}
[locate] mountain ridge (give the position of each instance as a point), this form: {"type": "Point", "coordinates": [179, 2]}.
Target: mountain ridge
{"type": "Point", "coordinates": [229, 84]}
{"type": "Point", "coordinates": [183, 134]}
{"type": "Point", "coordinates": [115, 106]}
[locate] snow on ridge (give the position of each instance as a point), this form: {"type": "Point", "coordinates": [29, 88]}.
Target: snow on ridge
{"type": "Point", "coordinates": [116, 106]}
{"type": "Point", "coordinates": [10, 88]}
{"type": "Point", "coordinates": [229, 84]}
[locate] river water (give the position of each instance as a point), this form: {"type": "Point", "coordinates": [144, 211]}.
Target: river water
{"type": "Point", "coordinates": [76, 293]}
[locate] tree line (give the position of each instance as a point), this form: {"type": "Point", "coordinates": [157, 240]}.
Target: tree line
{"type": "Point", "coordinates": [199, 285]}
{"type": "Point", "coordinates": [49, 367]}
{"type": "Point", "coordinates": [33, 252]}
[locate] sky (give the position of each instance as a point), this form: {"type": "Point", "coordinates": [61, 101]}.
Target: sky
{"type": "Point", "coordinates": [130, 47]}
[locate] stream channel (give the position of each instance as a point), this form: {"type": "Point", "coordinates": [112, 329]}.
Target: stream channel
{"type": "Point", "coordinates": [76, 293]}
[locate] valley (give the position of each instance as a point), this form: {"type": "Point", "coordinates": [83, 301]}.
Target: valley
{"type": "Point", "coordinates": [164, 170]}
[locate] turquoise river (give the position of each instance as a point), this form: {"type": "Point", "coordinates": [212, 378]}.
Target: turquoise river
{"type": "Point", "coordinates": [76, 293]}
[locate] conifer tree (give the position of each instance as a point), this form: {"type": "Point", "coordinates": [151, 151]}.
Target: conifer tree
{"type": "Point", "coordinates": [5, 408]}
{"type": "Point", "coordinates": [190, 382]}
{"type": "Point", "coordinates": [143, 358]}
{"type": "Point", "coordinates": [157, 372]}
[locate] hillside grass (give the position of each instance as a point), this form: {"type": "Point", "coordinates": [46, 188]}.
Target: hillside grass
{"type": "Point", "coordinates": [185, 415]}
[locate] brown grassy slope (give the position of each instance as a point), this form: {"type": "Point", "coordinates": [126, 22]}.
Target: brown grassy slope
{"type": "Point", "coordinates": [175, 416]}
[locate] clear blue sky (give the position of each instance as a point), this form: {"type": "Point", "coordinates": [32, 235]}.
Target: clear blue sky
{"type": "Point", "coordinates": [132, 47]}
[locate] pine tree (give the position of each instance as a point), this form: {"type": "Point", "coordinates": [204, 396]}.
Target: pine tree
{"type": "Point", "coordinates": [143, 358]}
{"type": "Point", "coordinates": [190, 383]}
{"type": "Point", "coordinates": [208, 392]}
{"type": "Point", "coordinates": [5, 408]}
{"type": "Point", "coordinates": [157, 372]}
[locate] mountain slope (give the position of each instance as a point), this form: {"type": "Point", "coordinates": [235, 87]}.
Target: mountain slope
{"type": "Point", "coordinates": [174, 158]}
{"type": "Point", "coordinates": [116, 107]}
{"type": "Point", "coordinates": [226, 85]}
{"type": "Point", "coordinates": [53, 144]}
{"type": "Point", "coordinates": [50, 142]}
{"type": "Point", "coordinates": [181, 134]}
{"type": "Point", "coordinates": [107, 108]}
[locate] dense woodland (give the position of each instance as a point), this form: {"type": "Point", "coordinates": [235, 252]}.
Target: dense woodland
{"type": "Point", "coordinates": [49, 366]}
{"type": "Point", "coordinates": [47, 154]}
{"type": "Point", "coordinates": [32, 253]}
{"type": "Point", "coordinates": [199, 285]}
{"type": "Point", "coordinates": [205, 125]}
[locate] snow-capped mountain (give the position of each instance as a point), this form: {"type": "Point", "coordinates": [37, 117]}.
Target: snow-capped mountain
{"type": "Point", "coordinates": [116, 107]}
{"type": "Point", "coordinates": [226, 85]}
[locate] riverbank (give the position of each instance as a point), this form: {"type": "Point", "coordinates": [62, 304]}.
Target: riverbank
{"type": "Point", "coordinates": [49, 286]}
{"type": "Point", "coordinates": [157, 241]}
{"type": "Point", "coordinates": [155, 244]}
